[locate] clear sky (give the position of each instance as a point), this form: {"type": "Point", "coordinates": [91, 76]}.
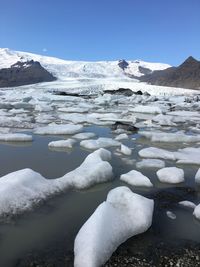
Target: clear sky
{"type": "Point", "coordinates": [153, 30]}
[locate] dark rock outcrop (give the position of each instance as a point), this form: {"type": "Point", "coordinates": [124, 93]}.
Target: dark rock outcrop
{"type": "Point", "coordinates": [144, 70]}
{"type": "Point", "coordinates": [125, 126]}
{"type": "Point", "coordinates": [125, 92]}
{"type": "Point", "coordinates": [123, 64]}
{"type": "Point", "coordinates": [187, 75]}
{"type": "Point", "coordinates": [23, 73]}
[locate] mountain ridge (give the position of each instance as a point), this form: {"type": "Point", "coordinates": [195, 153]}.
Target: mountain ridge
{"type": "Point", "coordinates": [186, 75]}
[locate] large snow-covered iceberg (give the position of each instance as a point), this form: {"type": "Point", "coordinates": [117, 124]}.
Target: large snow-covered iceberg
{"type": "Point", "coordinates": [123, 215]}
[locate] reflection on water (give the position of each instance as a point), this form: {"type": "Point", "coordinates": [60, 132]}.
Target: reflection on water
{"type": "Point", "coordinates": [57, 220]}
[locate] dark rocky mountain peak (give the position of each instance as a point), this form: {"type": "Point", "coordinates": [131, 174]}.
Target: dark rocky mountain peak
{"type": "Point", "coordinates": [23, 73]}
{"type": "Point", "coordinates": [187, 75]}
{"type": "Point", "coordinates": [190, 60]}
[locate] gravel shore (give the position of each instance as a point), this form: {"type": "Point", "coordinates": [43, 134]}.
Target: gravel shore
{"type": "Point", "coordinates": [159, 254]}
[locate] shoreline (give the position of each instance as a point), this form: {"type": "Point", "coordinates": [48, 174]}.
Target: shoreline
{"type": "Point", "coordinates": [155, 253]}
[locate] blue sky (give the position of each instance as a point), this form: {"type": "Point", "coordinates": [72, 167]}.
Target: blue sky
{"type": "Point", "coordinates": [153, 30]}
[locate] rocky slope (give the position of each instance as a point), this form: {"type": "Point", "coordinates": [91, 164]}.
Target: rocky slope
{"type": "Point", "coordinates": [187, 75]}
{"type": "Point", "coordinates": [23, 73]}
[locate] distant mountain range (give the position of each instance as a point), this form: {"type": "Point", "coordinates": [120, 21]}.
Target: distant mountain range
{"type": "Point", "coordinates": [187, 75]}
{"type": "Point", "coordinates": [21, 68]}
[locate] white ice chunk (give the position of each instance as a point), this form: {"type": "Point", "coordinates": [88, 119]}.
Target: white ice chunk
{"type": "Point", "coordinates": [196, 212]}
{"type": "Point", "coordinates": [62, 143]}
{"type": "Point", "coordinates": [197, 177]}
{"type": "Point", "coordinates": [156, 153]}
{"type": "Point", "coordinates": [15, 137]}
{"type": "Point", "coordinates": [164, 120]}
{"type": "Point", "coordinates": [100, 142]}
{"type": "Point", "coordinates": [170, 137]}
{"type": "Point", "coordinates": [59, 129]}
{"type": "Point", "coordinates": [171, 215]}
{"type": "Point", "coordinates": [136, 178]}
{"type": "Point", "coordinates": [20, 190]}
{"type": "Point", "coordinates": [187, 204]}
{"type": "Point", "coordinates": [172, 175]}
{"type": "Point", "coordinates": [82, 136]}
{"type": "Point", "coordinates": [122, 136]}
{"type": "Point", "coordinates": [147, 109]}
{"type": "Point", "coordinates": [123, 215]}
{"type": "Point", "coordinates": [150, 163]}
{"type": "Point", "coordinates": [125, 150]}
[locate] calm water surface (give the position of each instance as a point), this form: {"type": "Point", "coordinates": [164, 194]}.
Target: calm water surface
{"type": "Point", "coordinates": [56, 222]}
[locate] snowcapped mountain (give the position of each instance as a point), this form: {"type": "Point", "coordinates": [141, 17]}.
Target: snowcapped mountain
{"type": "Point", "coordinates": [64, 69]}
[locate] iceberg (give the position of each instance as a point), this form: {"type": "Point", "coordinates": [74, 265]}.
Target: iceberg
{"type": "Point", "coordinates": [101, 142]}
{"type": "Point", "coordinates": [59, 129]}
{"type": "Point", "coordinates": [123, 215]}
{"type": "Point", "coordinates": [22, 189]}
{"type": "Point", "coordinates": [136, 178]}
{"type": "Point", "coordinates": [172, 175]}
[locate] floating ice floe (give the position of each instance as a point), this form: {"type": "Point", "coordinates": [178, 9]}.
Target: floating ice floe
{"type": "Point", "coordinates": [170, 137]}
{"type": "Point", "coordinates": [78, 118]}
{"type": "Point", "coordinates": [136, 178]}
{"type": "Point", "coordinates": [147, 109]}
{"type": "Point", "coordinates": [164, 120]}
{"type": "Point", "coordinates": [122, 136]}
{"type": "Point", "coordinates": [62, 143]}
{"type": "Point", "coordinates": [196, 212]}
{"type": "Point", "coordinates": [82, 136]}
{"type": "Point", "coordinates": [15, 137]}
{"type": "Point", "coordinates": [187, 204]}
{"type": "Point", "coordinates": [171, 215]}
{"type": "Point", "coordinates": [20, 190]}
{"type": "Point", "coordinates": [59, 129]}
{"type": "Point", "coordinates": [74, 109]}
{"type": "Point", "coordinates": [125, 150]}
{"type": "Point", "coordinates": [150, 163]}
{"type": "Point", "coordinates": [186, 115]}
{"type": "Point", "coordinates": [100, 142]}
{"type": "Point", "coordinates": [154, 152]}
{"type": "Point", "coordinates": [188, 155]}
{"type": "Point", "coordinates": [171, 175]}
{"type": "Point", "coordinates": [197, 177]}
{"type": "Point", "coordinates": [123, 215]}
